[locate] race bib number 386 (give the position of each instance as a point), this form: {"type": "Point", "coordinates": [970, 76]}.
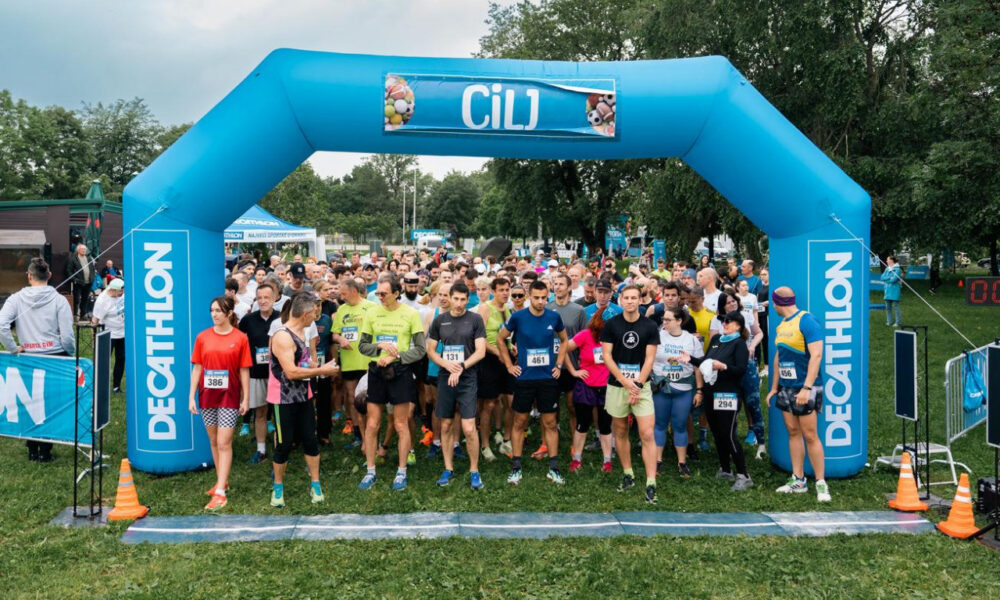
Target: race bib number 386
{"type": "Point", "coordinates": [216, 379]}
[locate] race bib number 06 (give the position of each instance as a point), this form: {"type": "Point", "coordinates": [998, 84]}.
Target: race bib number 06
{"type": "Point", "coordinates": [216, 379]}
{"type": "Point", "coordinates": [538, 357]}
{"type": "Point", "coordinates": [724, 401]}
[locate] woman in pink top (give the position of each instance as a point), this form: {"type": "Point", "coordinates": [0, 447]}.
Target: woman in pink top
{"type": "Point", "coordinates": [588, 393]}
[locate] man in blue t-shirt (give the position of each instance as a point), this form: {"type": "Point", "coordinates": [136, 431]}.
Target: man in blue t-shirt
{"type": "Point", "coordinates": [797, 388]}
{"type": "Point", "coordinates": [746, 272]}
{"type": "Point", "coordinates": [537, 372]}
{"type": "Point", "coordinates": [602, 292]}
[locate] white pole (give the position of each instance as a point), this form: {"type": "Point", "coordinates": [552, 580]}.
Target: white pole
{"type": "Point", "coordinates": [413, 223]}
{"type": "Point", "coordinates": [403, 190]}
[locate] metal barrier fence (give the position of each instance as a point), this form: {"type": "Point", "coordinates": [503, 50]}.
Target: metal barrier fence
{"type": "Point", "coordinates": [958, 421]}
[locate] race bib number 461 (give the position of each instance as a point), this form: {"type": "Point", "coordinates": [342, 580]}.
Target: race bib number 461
{"type": "Point", "coordinates": [538, 357]}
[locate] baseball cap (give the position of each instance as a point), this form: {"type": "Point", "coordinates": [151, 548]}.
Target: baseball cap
{"type": "Point", "coordinates": [553, 263]}
{"type": "Point", "coordinates": [298, 270]}
{"type": "Point", "coordinates": [368, 266]}
{"type": "Point", "coordinates": [689, 273]}
{"type": "Point", "coordinates": [603, 284]}
{"type": "Point", "coordinates": [116, 284]}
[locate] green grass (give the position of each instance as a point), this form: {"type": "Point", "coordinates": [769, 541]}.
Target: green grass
{"type": "Point", "coordinates": [42, 561]}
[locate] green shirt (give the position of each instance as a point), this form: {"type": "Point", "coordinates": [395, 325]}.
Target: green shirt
{"type": "Point", "coordinates": [347, 322]}
{"type": "Point", "coordinates": [396, 326]}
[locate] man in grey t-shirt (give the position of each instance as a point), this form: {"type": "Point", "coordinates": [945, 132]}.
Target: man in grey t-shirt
{"type": "Point", "coordinates": [574, 318]}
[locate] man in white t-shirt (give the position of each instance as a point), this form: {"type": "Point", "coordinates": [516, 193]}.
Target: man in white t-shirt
{"type": "Point", "coordinates": [708, 279]}
{"type": "Point", "coordinates": [109, 310]}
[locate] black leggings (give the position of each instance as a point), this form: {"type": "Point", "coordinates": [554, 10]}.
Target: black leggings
{"type": "Point", "coordinates": [723, 425]}
{"type": "Point", "coordinates": [119, 348]}
{"type": "Point", "coordinates": [294, 422]}
{"type": "Point", "coordinates": [585, 418]}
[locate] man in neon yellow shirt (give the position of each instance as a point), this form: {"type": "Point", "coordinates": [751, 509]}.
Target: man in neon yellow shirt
{"type": "Point", "coordinates": [346, 328]}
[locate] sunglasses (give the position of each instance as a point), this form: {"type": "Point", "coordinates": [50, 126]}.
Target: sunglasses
{"type": "Point", "coordinates": [517, 295]}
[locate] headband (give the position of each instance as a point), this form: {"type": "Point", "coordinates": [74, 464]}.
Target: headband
{"type": "Point", "coordinates": [782, 300]}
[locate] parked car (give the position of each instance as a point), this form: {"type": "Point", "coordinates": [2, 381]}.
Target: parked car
{"type": "Point", "coordinates": [984, 262]}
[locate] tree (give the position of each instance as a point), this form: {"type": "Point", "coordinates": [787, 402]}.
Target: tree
{"type": "Point", "coordinates": [453, 204]}
{"type": "Point", "coordinates": [298, 198]}
{"type": "Point", "coordinates": [124, 136]}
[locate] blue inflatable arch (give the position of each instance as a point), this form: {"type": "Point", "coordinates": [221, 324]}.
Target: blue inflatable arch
{"type": "Point", "coordinates": [296, 103]}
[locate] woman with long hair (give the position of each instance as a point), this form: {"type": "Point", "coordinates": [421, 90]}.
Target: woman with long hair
{"type": "Point", "coordinates": [220, 387]}
{"type": "Point", "coordinates": [589, 391]}
{"type": "Point", "coordinates": [677, 386]}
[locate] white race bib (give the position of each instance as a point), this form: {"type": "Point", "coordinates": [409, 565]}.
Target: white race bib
{"type": "Point", "coordinates": [350, 334]}
{"type": "Point", "coordinates": [455, 354]}
{"type": "Point", "coordinates": [598, 356]}
{"type": "Point", "coordinates": [629, 371]}
{"type": "Point", "coordinates": [387, 338]}
{"type": "Point", "coordinates": [675, 373]}
{"type": "Point", "coordinates": [786, 370]}
{"type": "Point", "coordinates": [538, 357]}
{"type": "Point", "coordinates": [216, 379]}
{"type": "Point", "coordinates": [724, 401]}
{"type": "Point", "coordinates": [263, 355]}
{"type": "Point", "coordinates": [555, 346]}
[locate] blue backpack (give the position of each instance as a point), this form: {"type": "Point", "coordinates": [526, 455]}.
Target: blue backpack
{"type": "Point", "coordinates": [974, 389]}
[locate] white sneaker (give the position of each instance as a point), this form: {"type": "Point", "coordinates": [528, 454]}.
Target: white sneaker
{"type": "Point", "coordinates": [823, 492]}
{"type": "Point", "coordinates": [498, 438]}
{"type": "Point", "coordinates": [506, 448]}
{"type": "Point", "coordinates": [794, 485]}
{"type": "Point", "coordinates": [488, 454]}
{"type": "Point", "coordinates": [761, 452]}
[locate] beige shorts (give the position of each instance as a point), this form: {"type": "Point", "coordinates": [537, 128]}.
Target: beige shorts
{"type": "Point", "coordinates": [258, 393]}
{"type": "Point", "coordinates": [617, 405]}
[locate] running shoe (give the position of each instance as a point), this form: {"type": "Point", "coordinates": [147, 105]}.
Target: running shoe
{"type": "Point", "coordinates": [445, 478]}
{"type": "Point", "coordinates": [316, 493]}
{"type": "Point", "coordinates": [277, 499]}
{"type": "Point", "coordinates": [351, 445]}
{"type": "Point", "coordinates": [245, 430]}
{"type": "Point", "coordinates": [575, 466]}
{"type": "Point", "coordinates": [720, 474]}
{"type": "Point", "coordinates": [761, 452]}
{"type": "Point", "coordinates": [606, 467]}
{"type": "Point", "coordinates": [348, 427]}
{"type": "Point", "coordinates": [459, 453]}
{"type": "Point", "coordinates": [488, 454]}
{"type": "Point", "coordinates": [257, 458]}
{"type": "Point", "coordinates": [594, 445]}
{"type": "Point", "coordinates": [794, 485]}
{"type": "Point", "coordinates": [218, 501]}
{"type": "Point", "coordinates": [684, 471]}
{"type": "Point", "coordinates": [211, 491]}
{"type": "Point", "coordinates": [428, 438]}
{"type": "Point", "coordinates": [742, 484]}
{"type": "Point", "coordinates": [475, 481]}
{"type": "Point", "coordinates": [515, 477]}
{"type": "Point", "coordinates": [399, 483]}
{"type": "Point", "coordinates": [411, 458]}
{"type": "Point", "coordinates": [434, 451]}
{"type": "Point", "coordinates": [556, 477]}
{"type": "Point", "coordinates": [628, 482]}
{"type": "Point", "coordinates": [270, 427]}
{"type": "Point", "coordinates": [750, 439]}
{"type": "Point", "coordinates": [337, 416]}
{"type": "Point", "coordinates": [650, 494]}
{"type": "Point", "coordinates": [498, 438]}
{"type": "Point", "coordinates": [541, 453]}
{"type": "Point", "coordinates": [367, 481]}
{"type": "Point", "coordinates": [506, 449]}
{"type": "Point", "coordinates": [822, 492]}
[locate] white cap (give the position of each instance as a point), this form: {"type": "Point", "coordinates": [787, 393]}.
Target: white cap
{"type": "Point", "coordinates": [553, 263]}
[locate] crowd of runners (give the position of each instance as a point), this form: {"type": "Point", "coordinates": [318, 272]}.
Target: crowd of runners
{"type": "Point", "coordinates": [466, 355]}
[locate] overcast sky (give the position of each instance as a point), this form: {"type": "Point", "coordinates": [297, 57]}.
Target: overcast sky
{"type": "Point", "coordinates": [183, 56]}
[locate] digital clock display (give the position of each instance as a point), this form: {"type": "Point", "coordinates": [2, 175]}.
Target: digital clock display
{"type": "Point", "coordinates": [982, 291]}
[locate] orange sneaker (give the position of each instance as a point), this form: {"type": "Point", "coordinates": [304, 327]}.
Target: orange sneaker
{"type": "Point", "coordinates": [541, 453]}
{"type": "Point", "coordinates": [428, 437]}
{"type": "Point", "coordinates": [211, 491]}
{"type": "Point", "coordinates": [348, 428]}
{"type": "Point", "coordinates": [217, 502]}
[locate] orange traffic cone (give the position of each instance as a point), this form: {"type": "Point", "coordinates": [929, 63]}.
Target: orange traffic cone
{"type": "Point", "coordinates": [907, 499]}
{"type": "Point", "coordinates": [960, 522]}
{"type": "Point", "coordinates": [127, 501]}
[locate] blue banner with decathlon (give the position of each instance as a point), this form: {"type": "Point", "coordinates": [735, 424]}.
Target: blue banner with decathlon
{"type": "Point", "coordinates": [38, 394]}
